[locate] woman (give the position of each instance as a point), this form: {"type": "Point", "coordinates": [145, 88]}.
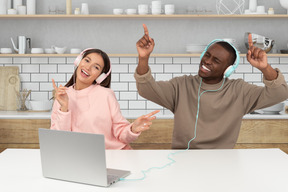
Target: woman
{"type": "Point", "coordinates": [87, 104]}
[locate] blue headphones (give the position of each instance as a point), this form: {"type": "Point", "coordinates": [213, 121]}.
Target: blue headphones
{"type": "Point", "coordinates": [231, 68]}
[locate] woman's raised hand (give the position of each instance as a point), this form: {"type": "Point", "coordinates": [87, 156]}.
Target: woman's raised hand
{"type": "Point", "coordinates": [61, 96]}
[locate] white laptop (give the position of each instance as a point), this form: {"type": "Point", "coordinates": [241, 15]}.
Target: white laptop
{"type": "Point", "coordinates": [76, 157]}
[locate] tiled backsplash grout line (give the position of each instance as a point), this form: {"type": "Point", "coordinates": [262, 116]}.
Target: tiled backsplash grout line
{"type": "Point", "coordinates": [163, 68]}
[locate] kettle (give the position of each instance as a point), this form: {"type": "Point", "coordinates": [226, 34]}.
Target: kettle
{"type": "Point", "coordinates": [260, 41]}
{"type": "Point", "coordinates": [21, 44]}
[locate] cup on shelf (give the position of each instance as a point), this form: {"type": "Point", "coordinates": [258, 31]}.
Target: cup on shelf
{"type": "Point", "coordinates": [156, 4]}
{"type": "Point", "coordinates": [37, 50]}
{"type": "Point", "coordinates": [75, 50]}
{"type": "Point", "coordinates": [84, 9]}
{"type": "Point", "coordinates": [143, 9]}
{"type": "Point", "coordinates": [260, 9]}
{"type": "Point", "coordinates": [117, 11]}
{"type": "Point", "coordinates": [156, 7]}
{"type": "Point", "coordinates": [5, 50]}
{"type": "Point", "coordinates": [130, 11]}
{"type": "Point", "coordinates": [156, 11]}
{"type": "Point", "coordinates": [169, 9]}
{"type": "Point", "coordinates": [21, 9]}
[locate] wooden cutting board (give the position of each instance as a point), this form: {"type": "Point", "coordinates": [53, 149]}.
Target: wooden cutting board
{"type": "Point", "coordinates": [9, 82]}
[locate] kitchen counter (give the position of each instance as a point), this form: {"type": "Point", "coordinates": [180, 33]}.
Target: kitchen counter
{"type": "Point", "coordinates": [47, 115]}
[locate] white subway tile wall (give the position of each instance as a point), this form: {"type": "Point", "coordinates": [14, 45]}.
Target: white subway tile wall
{"type": "Point", "coordinates": [36, 74]}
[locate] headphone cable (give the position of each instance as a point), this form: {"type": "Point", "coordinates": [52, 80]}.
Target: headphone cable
{"type": "Point", "coordinates": [188, 147]}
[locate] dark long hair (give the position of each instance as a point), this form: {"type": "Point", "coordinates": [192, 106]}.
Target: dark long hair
{"type": "Point", "coordinates": [107, 81]}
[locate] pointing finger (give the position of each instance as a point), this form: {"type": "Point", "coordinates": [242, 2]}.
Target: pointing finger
{"type": "Point", "coordinates": [54, 85]}
{"type": "Point", "coordinates": [152, 113]}
{"type": "Point", "coordinates": [145, 30]}
{"type": "Point", "coordinates": [250, 42]}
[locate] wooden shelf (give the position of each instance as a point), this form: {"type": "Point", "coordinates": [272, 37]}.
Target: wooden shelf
{"type": "Point", "coordinates": [125, 55]}
{"type": "Point", "coordinates": [182, 16]}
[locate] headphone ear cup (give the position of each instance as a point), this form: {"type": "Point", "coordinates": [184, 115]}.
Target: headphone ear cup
{"type": "Point", "coordinates": [202, 54]}
{"type": "Point", "coordinates": [78, 60]}
{"type": "Point", "coordinates": [229, 71]}
{"type": "Point", "coordinates": [101, 78]}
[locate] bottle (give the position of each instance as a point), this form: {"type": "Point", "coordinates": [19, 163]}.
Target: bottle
{"type": "Point", "coordinates": [77, 11]}
{"type": "Point", "coordinates": [68, 7]}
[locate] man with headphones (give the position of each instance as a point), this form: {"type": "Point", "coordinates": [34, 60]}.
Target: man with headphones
{"type": "Point", "coordinates": [208, 107]}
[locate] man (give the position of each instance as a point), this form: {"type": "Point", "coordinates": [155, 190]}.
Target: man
{"type": "Point", "coordinates": [220, 112]}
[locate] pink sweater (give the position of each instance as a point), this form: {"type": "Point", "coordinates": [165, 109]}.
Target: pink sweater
{"type": "Point", "coordinates": [94, 109]}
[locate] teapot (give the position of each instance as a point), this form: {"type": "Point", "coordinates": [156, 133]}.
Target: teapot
{"type": "Point", "coordinates": [21, 44]}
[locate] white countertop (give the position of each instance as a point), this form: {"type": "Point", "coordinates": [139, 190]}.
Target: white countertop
{"type": "Point", "coordinates": [226, 170]}
{"type": "Point", "coordinates": [47, 115]}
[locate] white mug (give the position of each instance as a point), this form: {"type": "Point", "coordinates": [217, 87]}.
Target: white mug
{"type": "Point", "coordinates": [118, 11]}
{"type": "Point", "coordinates": [156, 11]}
{"type": "Point", "coordinates": [84, 9]}
{"type": "Point", "coordinates": [260, 9]}
{"type": "Point", "coordinates": [156, 4]}
{"type": "Point", "coordinates": [143, 9]}
{"type": "Point", "coordinates": [21, 9]}
{"type": "Point", "coordinates": [130, 11]}
{"type": "Point", "coordinates": [169, 9]}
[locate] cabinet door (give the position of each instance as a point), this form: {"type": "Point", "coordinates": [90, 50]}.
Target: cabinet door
{"type": "Point", "coordinates": [21, 133]}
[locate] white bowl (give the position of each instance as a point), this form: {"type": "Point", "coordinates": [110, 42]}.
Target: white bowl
{"type": "Point", "coordinates": [274, 109]}
{"type": "Point", "coordinates": [37, 105]}
{"type": "Point", "coordinates": [5, 50]}
{"type": "Point", "coordinates": [37, 50]}
{"type": "Point", "coordinates": [49, 51]}
{"type": "Point", "coordinates": [75, 50]}
{"type": "Point", "coordinates": [195, 48]}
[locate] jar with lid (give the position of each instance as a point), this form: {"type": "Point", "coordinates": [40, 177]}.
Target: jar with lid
{"type": "Point", "coordinates": [270, 11]}
{"type": "Point", "coordinates": [77, 11]}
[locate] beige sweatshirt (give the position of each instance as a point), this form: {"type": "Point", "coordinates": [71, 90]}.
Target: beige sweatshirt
{"type": "Point", "coordinates": [220, 113]}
